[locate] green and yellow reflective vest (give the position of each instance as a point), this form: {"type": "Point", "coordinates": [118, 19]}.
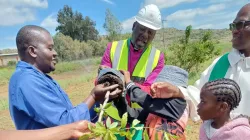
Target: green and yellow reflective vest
{"type": "Point", "coordinates": [119, 55]}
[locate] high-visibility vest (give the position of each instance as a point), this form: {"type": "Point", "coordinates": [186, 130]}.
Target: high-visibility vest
{"type": "Point", "coordinates": [119, 55]}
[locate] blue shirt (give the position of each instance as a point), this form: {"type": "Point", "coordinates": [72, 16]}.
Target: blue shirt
{"type": "Point", "coordinates": [37, 101]}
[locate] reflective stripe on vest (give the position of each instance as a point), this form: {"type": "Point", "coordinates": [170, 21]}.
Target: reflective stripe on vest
{"type": "Point", "coordinates": [145, 65]}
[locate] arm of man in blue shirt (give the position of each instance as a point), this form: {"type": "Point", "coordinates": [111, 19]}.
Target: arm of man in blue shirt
{"type": "Point", "coordinates": [44, 102]}
{"type": "Point", "coordinates": [64, 132]}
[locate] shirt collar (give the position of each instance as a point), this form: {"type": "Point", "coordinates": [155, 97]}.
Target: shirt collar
{"type": "Point", "coordinates": [132, 47]}
{"type": "Point", "coordinates": [247, 59]}
{"type": "Point", "coordinates": [235, 56]}
{"type": "Point", "coordinates": [25, 65]}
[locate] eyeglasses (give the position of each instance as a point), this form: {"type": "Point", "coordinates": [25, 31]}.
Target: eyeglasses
{"type": "Point", "coordinates": [239, 25]}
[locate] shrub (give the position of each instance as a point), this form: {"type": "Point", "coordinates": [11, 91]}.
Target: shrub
{"type": "Point", "coordinates": [66, 66]}
{"type": "Point", "coordinates": [190, 55]}
{"type": "Point", "coordinates": [11, 63]}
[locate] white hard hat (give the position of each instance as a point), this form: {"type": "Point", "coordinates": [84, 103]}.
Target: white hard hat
{"type": "Point", "coordinates": [149, 16]}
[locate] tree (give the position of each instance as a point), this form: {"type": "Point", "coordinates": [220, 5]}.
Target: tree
{"type": "Point", "coordinates": [189, 55]}
{"type": "Point", "coordinates": [98, 47]}
{"type": "Point", "coordinates": [68, 49]}
{"type": "Point", "coordinates": [75, 25]}
{"type": "Point", "coordinates": [112, 26]}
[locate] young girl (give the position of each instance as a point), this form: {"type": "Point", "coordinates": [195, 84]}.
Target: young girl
{"type": "Point", "coordinates": [218, 99]}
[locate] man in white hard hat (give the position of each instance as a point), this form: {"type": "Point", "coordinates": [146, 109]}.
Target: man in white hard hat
{"type": "Point", "coordinates": [136, 54]}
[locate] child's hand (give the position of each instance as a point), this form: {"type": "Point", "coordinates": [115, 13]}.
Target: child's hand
{"type": "Point", "coordinates": [126, 76]}
{"type": "Point", "coordinates": [163, 90]}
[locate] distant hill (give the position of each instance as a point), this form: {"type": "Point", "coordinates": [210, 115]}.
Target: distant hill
{"type": "Point", "coordinates": [223, 36]}
{"type": "Point", "coordinates": [173, 34]}
{"type": "Point", "coordinates": [6, 51]}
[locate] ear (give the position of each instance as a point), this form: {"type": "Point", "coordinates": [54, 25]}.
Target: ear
{"type": "Point", "coordinates": [32, 51]}
{"type": "Point", "coordinates": [224, 107]}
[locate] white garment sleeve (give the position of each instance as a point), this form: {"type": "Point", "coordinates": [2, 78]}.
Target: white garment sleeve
{"type": "Point", "coordinates": [192, 93]}
{"type": "Point", "coordinates": [191, 104]}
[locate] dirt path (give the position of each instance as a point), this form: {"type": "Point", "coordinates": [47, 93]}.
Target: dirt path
{"type": "Point", "coordinates": [5, 121]}
{"type": "Point", "coordinates": [192, 130]}
{"type": "Point", "coordinates": [4, 91]}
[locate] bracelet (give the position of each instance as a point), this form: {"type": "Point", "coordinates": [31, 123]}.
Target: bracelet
{"type": "Point", "coordinates": [129, 85]}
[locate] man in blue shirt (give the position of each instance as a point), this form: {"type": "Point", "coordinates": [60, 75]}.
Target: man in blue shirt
{"type": "Point", "coordinates": [35, 99]}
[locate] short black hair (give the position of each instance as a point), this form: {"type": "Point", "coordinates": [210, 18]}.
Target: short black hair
{"type": "Point", "coordinates": [27, 36]}
{"type": "Point", "coordinates": [225, 90]}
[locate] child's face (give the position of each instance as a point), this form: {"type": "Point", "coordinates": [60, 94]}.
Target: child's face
{"type": "Point", "coordinates": [208, 107]}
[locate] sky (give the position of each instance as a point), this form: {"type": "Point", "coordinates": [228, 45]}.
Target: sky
{"type": "Point", "coordinates": [201, 14]}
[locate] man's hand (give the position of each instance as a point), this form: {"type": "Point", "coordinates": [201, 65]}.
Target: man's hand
{"type": "Point", "coordinates": [99, 92]}
{"type": "Point", "coordinates": [126, 76]}
{"type": "Point", "coordinates": [80, 128]}
{"type": "Point", "coordinates": [165, 90]}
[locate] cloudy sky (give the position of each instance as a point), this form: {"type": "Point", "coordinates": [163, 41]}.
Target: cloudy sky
{"type": "Point", "coordinates": [214, 14]}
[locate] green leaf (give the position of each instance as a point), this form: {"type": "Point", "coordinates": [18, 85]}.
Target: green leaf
{"type": "Point", "coordinates": [100, 130]}
{"type": "Point", "coordinates": [113, 113]}
{"type": "Point", "coordinates": [115, 130]}
{"type": "Point", "coordinates": [112, 136]}
{"type": "Point", "coordinates": [85, 137]}
{"type": "Point", "coordinates": [90, 127]}
{"type": "Point", "coordinates": [145, 135]}
{"type": "Point", "coordinates": [135, 106]}
{"type": "Point", "coordinates": [129, 135]}
{"type": "Point", "coordinates": [107, 136]}
{"type": "Point", "coordinates": [113, 125]}
{"type": "Point", "coordinates": [135, 122]}
{"type": "Point", "coordinates": [99, 124]}
{"type": "Point", "coordinates": [108, 122]}
{"type": "Point", "coordinates": [105, 115]}
{"type": "Point", "coordinates": [97, 110]}
{"type": "Point", "coordinates": [172, 136]}
{"type": "Point", "coordinates": [108, 105]}
{"type": "Point", "coordinates": [123, 134]}
{"type": "Point", "coordinates": [166, 136]}
{"type": "Point", "coordinates": [124, 120]}
{"type": "Point", "coordinates": [133, 133]}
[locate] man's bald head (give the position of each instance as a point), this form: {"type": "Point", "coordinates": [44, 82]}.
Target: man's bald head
{"type": "Point", "coordinates": [241, 33]}
{"type": "Point", "coordinates": [27, 36]}
{"type": "Point", "coordinates": [245, 11]}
